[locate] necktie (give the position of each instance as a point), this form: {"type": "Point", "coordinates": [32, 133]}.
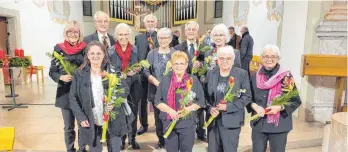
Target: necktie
{"type": "Point", "coordinates": [105, 42]}
{"type": "Point", "coordinates": [192, 50]}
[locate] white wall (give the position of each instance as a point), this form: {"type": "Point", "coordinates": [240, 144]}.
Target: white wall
{"type": "Point", "coordinates": [261, 29]}
{"type": "Point", "coordinates": [38, 31]}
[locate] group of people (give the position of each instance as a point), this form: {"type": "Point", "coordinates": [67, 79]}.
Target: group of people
{"type": "Point", "coordinates": [81, 95]}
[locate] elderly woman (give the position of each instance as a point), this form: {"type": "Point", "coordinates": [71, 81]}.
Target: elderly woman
{"type": "Point", "coordinates": [220, 37]}
{"type": "Point", "coordinates": [87, 98]}
{"type": "Point", "coordinates": [72, 50]}
{"type": "Point", "coordinates": [223, 132]}
{"type": "Point", "coordinates": [158, 59]}
{"type": "Point", "coordinates": [169, 102]}
{"type": "Point", "coordinates": [123, 55]}
{"type": "Point", "coordinates": [269, 82]}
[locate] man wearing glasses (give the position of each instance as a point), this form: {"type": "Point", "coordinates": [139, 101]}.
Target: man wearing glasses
{"type": "Point", "coordinates": [101, 22]}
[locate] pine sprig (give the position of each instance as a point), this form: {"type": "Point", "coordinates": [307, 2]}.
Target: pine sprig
{"type": "Point", "coordinates": [140, 65]}
{"type": "Point", "coordinates": [68, 67]}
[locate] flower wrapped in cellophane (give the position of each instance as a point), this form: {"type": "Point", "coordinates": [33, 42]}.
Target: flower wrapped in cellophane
{"type": "Point", "coordinates": [196, 54]}
{"type": "Point", "coordinates": [112, 97]}
{"type": "Point", "coordinates": [137, 67]}
{"type": "Point", "coordinates": [67, 67]}
{"type": "Point", "coordinates": [227, 98]}
{"type": "Point", "coordinates": [168, 68]}
{"type": "Point", "coordinates": [187, 97]}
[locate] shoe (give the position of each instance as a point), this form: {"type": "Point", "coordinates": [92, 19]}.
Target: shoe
{"type": "Point", "coordinates": [142, 130]}
{"type": "Point", "coordinates": [202, 138]}
{"type": "Point", "coordinates": [123, 144]}
{"type": "Point", "coordinates": [134, 144]}
{"type": "Point", "coordinates": [159, 145]}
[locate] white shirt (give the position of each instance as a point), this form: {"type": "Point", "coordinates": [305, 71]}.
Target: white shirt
{"type": "Point", "coordinates": [100, 37]}
{"type": "Point", "coordinates": [189, 46]}
{"type": "Point", "coordinates": [98, 93]}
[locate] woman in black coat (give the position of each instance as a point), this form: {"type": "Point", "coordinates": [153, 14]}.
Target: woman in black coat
{"type": "Point", "coordinates": [123, 55]}
{"type": "Point", "coordinates": [87, 101]}
{"type": "Point", "coordinates": [269, 82]}
{"type": "Point", "coordinates": [72, 49]}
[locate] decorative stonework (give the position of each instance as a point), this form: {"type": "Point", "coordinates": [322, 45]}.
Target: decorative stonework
{"type": "Point", "coordinates": [332, 33]}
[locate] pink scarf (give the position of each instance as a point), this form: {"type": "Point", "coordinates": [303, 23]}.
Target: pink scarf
{"type": "Point", "coordinates": [174, 84]}
{"type": "Point", "coordinates": [275, 89]}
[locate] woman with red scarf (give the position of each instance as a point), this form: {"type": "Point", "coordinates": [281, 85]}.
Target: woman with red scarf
{"type": "Point", "coordinates": [275, 121]}
{"type": "Point", "coordinates": [169, 102]}
{"type": "Point", "coordinates": [123, 55]}
{"type": "Point", "coordinates": [72, 50]}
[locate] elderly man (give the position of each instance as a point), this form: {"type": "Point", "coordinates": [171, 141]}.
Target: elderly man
{"type": "Point", "coordinates": [101, 22]}
{"type": "Point", "coordinates": [189, 46]}
{"type": "Point", "coordinates": [246, 48]}
{"type": "Point", "coordinates": [146, 42]}
{"type": "Point", "coordinates": [235, 39]}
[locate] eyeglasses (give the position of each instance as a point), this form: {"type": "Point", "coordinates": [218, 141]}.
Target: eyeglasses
{"type": "Point", "coordinates": [101, 21]}
{"type": "Point", "coordinates": [73, 32]}
{"type": "Point", "coordinates": [179, 64]}
{"type": "Point", "coordinates": [219, 35]}
{"type": "Point", "coordinates": [192, 29]}
{"type": "Point", "coordinates": [273, 57]}
{"type": "Point", "coordinates": [96, 54]}
{"type": "Point", "coordinates": [127, 34]}
{"type": "Point", "coordinates": [163, 38]}
{"type": "Point", "coordinates": [227, 59]}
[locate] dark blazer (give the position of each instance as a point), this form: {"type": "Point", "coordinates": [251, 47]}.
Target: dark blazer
{"type": "Point", "coordinates": [94, 37]}
{"type": "Point", "coordinates": [161, 97]}
{"type": "Point", "coordinates": [233, 117]}
{"type": "Point", "coordinates": [175, 41]}
{"type": "Point", "coordinates": [235, 41]}
{"type": "Point", "coordinates": [237, 61]}
{"type": "Point", "coordinates": [63, 88]}
{"type": "Point", "coordinates": [116, 63]}
{"type": "Point", "coordinates": [260, 98]}
{"type": "Point", "coordinates": [246, 47]}
{"type": "Point", "coordinates": [183, 47]}
{"type": "Point", "coordinates": [143, 45]}
{"type": "Point", "coordinates": [82, 102]}
{"type": "Point", "coordinates": [154, 71]}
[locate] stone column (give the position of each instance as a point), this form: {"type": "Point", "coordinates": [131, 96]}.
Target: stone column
{"type": "Point", "coordinates": [332, 32]}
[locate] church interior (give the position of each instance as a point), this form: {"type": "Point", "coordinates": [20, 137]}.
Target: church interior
{"type": "Point", "coordinates": [311, 36]}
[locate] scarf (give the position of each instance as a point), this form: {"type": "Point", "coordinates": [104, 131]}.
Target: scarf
{"type": "Point", "coordinates": [125, 56]}
{"type": "Point", "coordinates": [275, 90]}
{"type": "Point", "coordinates": [70, 50]}
{"type": "Point", "coordinates": [174, 84]}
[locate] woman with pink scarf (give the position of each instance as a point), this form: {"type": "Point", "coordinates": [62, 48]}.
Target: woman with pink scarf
{"type": "Point", "coordinates": [275, 121]}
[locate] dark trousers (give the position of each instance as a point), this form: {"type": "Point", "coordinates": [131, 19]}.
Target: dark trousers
{"type": "Point", "coordinates": [113, 143]}
{"type": "Point", "coordinates": [134, 98]}
{"type": "Point", "coordinates": [200, 131]}
{"type": "Point", "coordinates": [245, 65]}
{"type": "Point", "coordinates": [277, 141]}
{"type": "Point", "coordinates": [143, 103]}
{"type": "Point", "coordinates": [181, 139]}
{"type": "Point", "coordinates": [158, 124]}
{"type": "Point", "coordinates": [221, 139]}
{"type": "Point", "coordinates": [69, 130]}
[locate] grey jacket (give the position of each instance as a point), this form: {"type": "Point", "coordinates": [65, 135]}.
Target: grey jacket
{"type": "Point", "coordinates": [154, 71]}
{"type": "Point", "coordinates": [237, 61]}
{"type": "Point", "coordinates": [260, 98]}
{"type": "Point", "coordinates": [246, 47]}
{"type": "Point", "coordinates": [63, 88]}
{"type": "Point", "coordinates": [234, 116]}
{"type": "Point", "coordinates": [82, 102]}
{"type": "Point", "coordinates": [143, 45]}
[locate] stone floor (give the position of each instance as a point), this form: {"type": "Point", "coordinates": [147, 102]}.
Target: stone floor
{"type": "Point", "coordinates": [40, 126]}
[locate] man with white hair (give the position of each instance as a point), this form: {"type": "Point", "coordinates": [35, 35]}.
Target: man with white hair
{"type": "Point", "coordinates": [145, 42]}
{"type": "Point", "coordinates": [246, 48]}
{"type": "Point", "coordinates": [189, 46]}
{"type": "Point", "coordinates": [101, 21]}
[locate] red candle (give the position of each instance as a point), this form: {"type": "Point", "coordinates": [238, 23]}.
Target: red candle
{"type": "Point", "coordinates": [16, 51]}
{"type": "Point", "coordinates": [21, 53]}
{"type": "Point", "coordinates": [2, 54]}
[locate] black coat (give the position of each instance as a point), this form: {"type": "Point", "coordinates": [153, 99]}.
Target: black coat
{"type": "Point", "coordinates": [260, 98]}
{"type": "Point", "coordinates": [94, 37]}
{"type": "Point", "coordinates": [63, 88]}
{"type": "Point", "coordinates": [246, 47]}
{"type": "Point", "coordinates": [175, 41]}
{"type": "Point", "coordinates": [142, 44]}
{"type": "Point", "coordinates": [233, 117]}
{"type": "Point", "coordinates": [82, 102]}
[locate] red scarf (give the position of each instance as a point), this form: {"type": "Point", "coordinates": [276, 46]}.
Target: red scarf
{"type": "Point", "coordinates": [125, 56]}
{"type": "Point", "coordinates": [70, 50]}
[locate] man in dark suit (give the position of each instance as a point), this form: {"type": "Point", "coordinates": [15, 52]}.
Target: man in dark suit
{"type": "Point", "coordinates": [235, 39]}
{"type": "Point", "coordinates": [145, 42]}
{"type": "Point", "coordinates": [246, 49]}
{"type": "Point", "coordinates": [101, 22]}
{"type": "Point", "coordinates": [175, 40]}
{"type": "Point", "coordinates": [189, 46]}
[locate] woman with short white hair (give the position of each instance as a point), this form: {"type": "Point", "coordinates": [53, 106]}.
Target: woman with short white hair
{"type": "Point", "coordinates": [122, 55]}
{"type": "Point", "coordinates": [269, 82]}
{"type": "Point", "coordinates": [158, 59]}
{"type": "Point", "coordinates": [220, 37]}
{"type": "Point", "coordinates": [223, 132]}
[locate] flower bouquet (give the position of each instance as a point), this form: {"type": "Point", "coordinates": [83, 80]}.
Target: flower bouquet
{"type": "Point", "coordinates": [186, 100]}
{"type": "Point", "coordinates": [65, 65]}
{"type": "Point", "coordinates": [168, 68]}
{"type": "Point", "coordinates": [283, 100]}
{"type": "Point", "coordinates": [196, 54]}
{"type": "Point", "coordinates": [136, 67]}
{"type": "Point", "coordinates": [111, 97]}
{"type": "Point", "coordinates": [227, 98]}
